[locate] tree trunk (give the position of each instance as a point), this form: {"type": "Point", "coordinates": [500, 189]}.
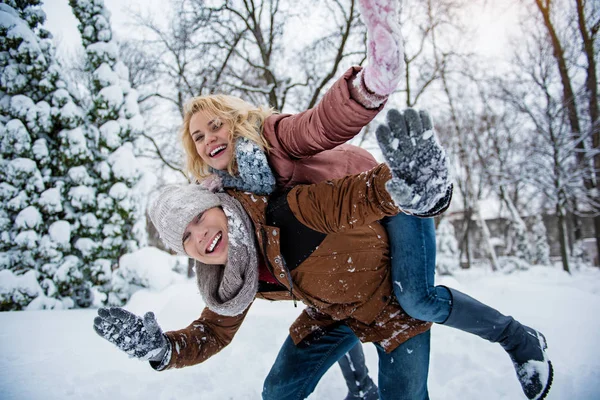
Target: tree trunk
{"type": "Point", "coordinates": [591, 84]}
{"type": "Point", "coordinates": [562, 233]}
{"type": "Point", "coordinates": [487, 240]}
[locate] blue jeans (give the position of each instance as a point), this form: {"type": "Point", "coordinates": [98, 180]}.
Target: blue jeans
{"type": "Point", "coordinates": [297, 369]}
{"type": "Point", "coordinates": [412, 249]}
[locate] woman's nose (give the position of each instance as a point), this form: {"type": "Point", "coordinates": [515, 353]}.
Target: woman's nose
{"type": "Point", "coordinates": [210, 138]}
{"type": "Point", "coordinates": [199, 234]}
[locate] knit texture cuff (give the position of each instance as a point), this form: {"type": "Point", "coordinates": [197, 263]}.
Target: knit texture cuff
{"type": "Point", "coordinates": [361, 93]}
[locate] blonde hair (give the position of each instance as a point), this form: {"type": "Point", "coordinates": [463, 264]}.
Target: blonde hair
{"type": "Point", "coordinates": [245, 120]}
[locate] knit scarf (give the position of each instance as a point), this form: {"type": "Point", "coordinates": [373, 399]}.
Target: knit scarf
{"type": "Point", "coordinates": [254, 173]}
{"type": "Point", "coordinates": [229, 289]}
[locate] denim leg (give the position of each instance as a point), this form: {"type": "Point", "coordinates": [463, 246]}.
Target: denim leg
{"type": "Point", "coordinates": [403, 372]}
{"type": "Point", "coordinates": [298, 369]}
{"type": "Point", "coordinates": [412, 249]}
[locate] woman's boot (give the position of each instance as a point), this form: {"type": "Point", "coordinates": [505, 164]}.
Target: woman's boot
{"type": "Point", "coordinates": [525, 346]}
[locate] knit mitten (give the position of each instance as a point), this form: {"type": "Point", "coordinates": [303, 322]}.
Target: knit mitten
{"type": "Point", "coordinates": [385, 51]}
{"type": "Point", "coordinates": [254, 173]}
{"type": "Point", "coordinates": [418, 163]}
{"type": "Point", "coordinates": [141, 338]}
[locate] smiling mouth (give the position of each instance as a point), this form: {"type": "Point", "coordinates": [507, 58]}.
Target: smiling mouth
{"type": "Point", "coordinates": [216, 240]}
{"type": "Point", "coordinates": [217, 150]}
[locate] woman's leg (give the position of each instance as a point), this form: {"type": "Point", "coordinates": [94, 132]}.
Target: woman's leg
{"type": "Point", "coordinates": [403, 372]}
{"type": "Point", "coordinates": [298, 369]}
{"type": "Point", "coordinates": [412, 247]}
{"type": "Point", "coordinates": [356, 374]}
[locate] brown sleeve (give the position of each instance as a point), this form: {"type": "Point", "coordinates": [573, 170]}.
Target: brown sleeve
{"type": "Point", "coordinates": [341, 204]}
{"type": "Point", "coordinates": [336, 119]}
{"type": "Point", "coordinates": [202, 339]}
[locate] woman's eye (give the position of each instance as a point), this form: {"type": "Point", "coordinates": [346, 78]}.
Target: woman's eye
{"type": "Point", "coordinates": [186, 237]}
{"type": "Point", "coordinates": [198, 138]}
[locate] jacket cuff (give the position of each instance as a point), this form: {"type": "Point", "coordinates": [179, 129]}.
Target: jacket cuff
{"type": "Point", "coordinates": [166, 360]}
{"type": "Point", "coordinates": [441, 206]}
{"type": "Point", "coordinates": [361, 94]}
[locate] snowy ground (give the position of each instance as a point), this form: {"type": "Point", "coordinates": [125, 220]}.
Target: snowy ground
{"type": "Point", "coordinates": [56, 354]}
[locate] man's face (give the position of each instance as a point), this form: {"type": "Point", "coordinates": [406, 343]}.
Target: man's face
{"type": "Point", "coordinates": [211, 138]}
{"type": "Point", "coordinates": [205, 238]}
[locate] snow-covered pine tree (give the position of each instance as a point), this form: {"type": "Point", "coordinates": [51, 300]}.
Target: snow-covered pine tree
{"type": "Point", "coordinates": [520, 240]}
{"type": "Point", "coordinates": [539, 236]}
{"type": "Point", "coordinates": [448, 255]}
{"type": "Point", "coordinates": [40, 140]}
{"type": "Point", "coordinates": [114, 116]}
{"type": "Point", "coordinates": [579, 256]}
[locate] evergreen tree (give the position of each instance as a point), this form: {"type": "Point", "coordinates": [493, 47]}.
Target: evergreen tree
{"type": "Point", "coordinates": [541, 249]}
{"type": "Point", "coordinates": [114, 122]}
{"type": "Point", "coordinates": [579, 256]}
{"type": "Point", "coordinates": [448, 255]}
{"type": "Point", "coordinates": [39, 126]}
{"type": "Point", "coordinates": [520, 239]}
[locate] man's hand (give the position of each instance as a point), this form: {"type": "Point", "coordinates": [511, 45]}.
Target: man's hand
{"type": "Point", "coordinates": [141, 338]}
{"type": "Point", "coordinates": [418, 162]}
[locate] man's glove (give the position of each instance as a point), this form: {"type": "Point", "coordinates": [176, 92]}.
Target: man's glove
{"type": "Point", "coordinates": [385, 53]}
{"type": "Point", "coordinates": [141, 338]}
{"type": "Point", "coordinates": [420, 181]}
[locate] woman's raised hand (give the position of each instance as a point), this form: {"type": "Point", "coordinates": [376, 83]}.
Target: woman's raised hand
{"type": "Point", "coordinates": [384, 45]}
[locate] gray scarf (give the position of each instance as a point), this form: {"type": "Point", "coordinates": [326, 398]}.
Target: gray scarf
{"type": "Point", "coordinates": [229, 289]}
{"type": "Point", "coordinates": [254, 173]}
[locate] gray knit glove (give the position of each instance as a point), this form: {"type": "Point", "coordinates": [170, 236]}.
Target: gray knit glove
{"type": "Point", "coordinates": [254, 173]}
{"type": "Point", "coordinates": [141, 338]}
{"type": "Point", "coordinates": [420, 181]}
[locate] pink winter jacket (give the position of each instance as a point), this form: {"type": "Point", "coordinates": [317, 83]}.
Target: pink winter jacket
{"type": "Point", "coordinates": [309, 147]}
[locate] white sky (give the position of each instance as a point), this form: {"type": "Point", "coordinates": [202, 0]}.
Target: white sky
{"type": "Point", "coordinates": [495, 23]}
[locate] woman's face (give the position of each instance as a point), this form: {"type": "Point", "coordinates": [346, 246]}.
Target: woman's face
{"type": "Point", "coordinates": [211, 137]}
{"type": "Point", "coordinates": [205, 237]}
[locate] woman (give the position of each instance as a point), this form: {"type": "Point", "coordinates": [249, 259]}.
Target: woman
{"type": "Point", "coordinates": [320, 244]}
{"type": "Point", "coordinates": [254, 149]}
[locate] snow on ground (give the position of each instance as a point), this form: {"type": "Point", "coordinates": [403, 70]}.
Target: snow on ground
{"type": "Point", "coordinates": [57, 355]}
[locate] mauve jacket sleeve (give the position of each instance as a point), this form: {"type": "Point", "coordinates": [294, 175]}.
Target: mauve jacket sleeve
{"type": "Point", "coordinates": [341, 204]}
{"type": "Point", "coordinates": [202, 339]}
{"type": "Point", "coordinates": [336, 119]}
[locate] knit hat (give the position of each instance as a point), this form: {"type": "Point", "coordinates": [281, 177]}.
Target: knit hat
{"type": "Point", "coordinates": [175, 207]}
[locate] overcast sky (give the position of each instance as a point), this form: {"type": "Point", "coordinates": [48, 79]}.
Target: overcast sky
{"type": "Point", "coordinates": [494, 24]}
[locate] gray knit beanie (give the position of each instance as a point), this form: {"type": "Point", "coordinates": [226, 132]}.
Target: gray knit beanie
{"type": "Point", "coordinates": [175, 207]}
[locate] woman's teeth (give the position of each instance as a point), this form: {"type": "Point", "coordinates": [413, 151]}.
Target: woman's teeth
{"type": "Point", "coordinates": [217, 150]}
{"type": "Point", "coordinates": [214, 243]}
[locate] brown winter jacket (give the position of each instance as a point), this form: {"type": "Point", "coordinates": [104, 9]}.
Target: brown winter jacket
{"type": "Point", "coordinates": [309, 147]}
{"type": "Point", "coordinates": [346, 278]}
